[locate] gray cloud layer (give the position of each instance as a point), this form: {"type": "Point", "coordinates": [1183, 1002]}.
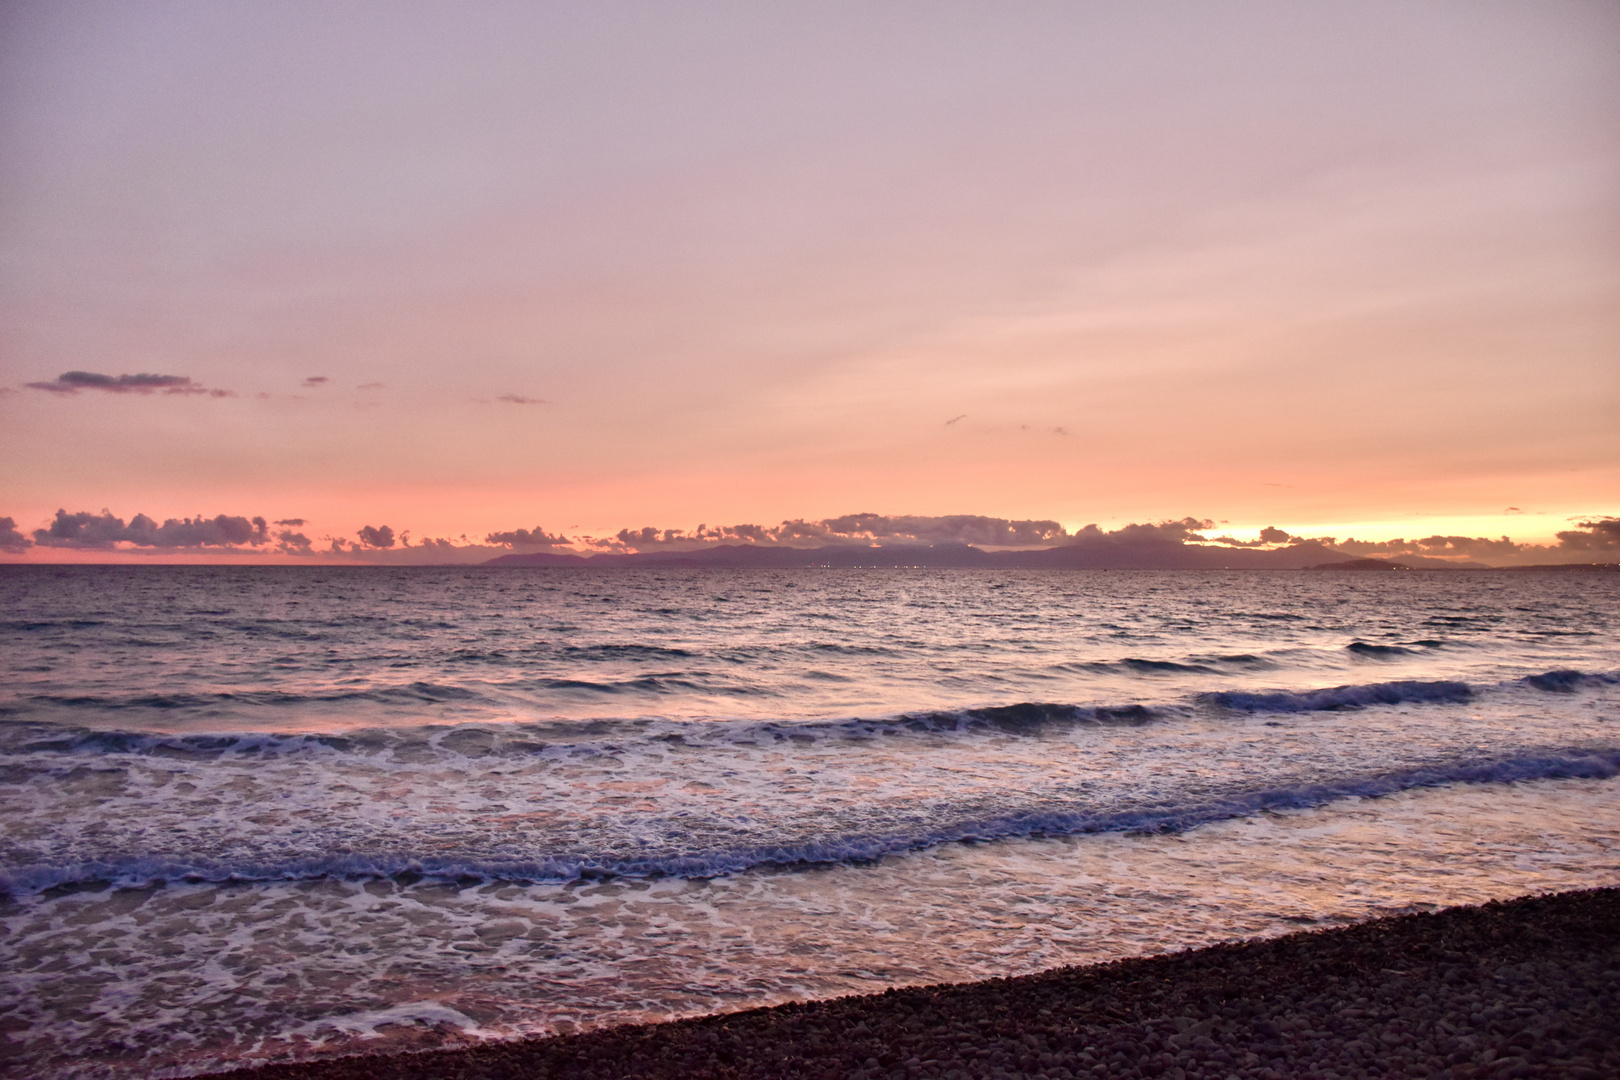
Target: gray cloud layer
{"type": "Point", "coordinates": [863, 528]}
{"type": "Point", "coordinates": [1599, 535]}
{"type": "Point", "coordinates": [104, 531]}
{"type": "Point", "coordinates": [1596, 536]}
{"type": "Point", "coordinates": [1596, 539]}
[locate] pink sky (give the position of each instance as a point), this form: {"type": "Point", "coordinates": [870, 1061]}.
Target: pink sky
{"type": "Point", "coordinates": [1336, 268]}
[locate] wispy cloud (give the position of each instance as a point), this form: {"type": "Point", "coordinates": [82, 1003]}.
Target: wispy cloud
{"type": "Point", "coordinates": [316, 380]}
{"type": "Point", "coordinates": [72, 382]}
{"type": "Point", "coordinates": [519, 399]}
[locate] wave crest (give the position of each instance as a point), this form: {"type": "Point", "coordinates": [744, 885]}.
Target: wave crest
{"type": "Point", "coordinates": [1032, 821]}
{"type": "Point", "coordinates": [1343, 697]}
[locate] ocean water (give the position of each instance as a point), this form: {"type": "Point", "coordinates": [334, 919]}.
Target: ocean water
{"type": "Point", "coordinates": [271, 813]}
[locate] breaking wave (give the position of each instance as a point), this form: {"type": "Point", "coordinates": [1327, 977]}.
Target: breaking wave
{"type": "Point", "coordinates": [480, 739]}
{"type": "Point", "coordinates": [944, 825]}
{"type": "Point", "coordinates": [1344, 697]}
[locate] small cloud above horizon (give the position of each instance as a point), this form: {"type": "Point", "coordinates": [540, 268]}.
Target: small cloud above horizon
{"type": "Point", "coordinates": [519, 399]}
{"type": "Point", "coordinates": [315, 380]}
{"type": "Point", "coordinates": [11, 540]}
{"type": "Point", "coordinates": [380, 537]}
{"type": "Point", "coordinates": [527, 539]}
{"type": "Point", "coordinates": [72, 382]}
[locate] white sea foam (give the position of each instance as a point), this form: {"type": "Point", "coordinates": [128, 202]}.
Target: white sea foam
{"type": "Point", "coordinates": [106, 984]}
{"type": "Point", "coordinates": [372, 1023]}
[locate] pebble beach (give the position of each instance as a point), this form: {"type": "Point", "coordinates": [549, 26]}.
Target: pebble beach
{"type": "Point", "coordinates": [1527, 987]}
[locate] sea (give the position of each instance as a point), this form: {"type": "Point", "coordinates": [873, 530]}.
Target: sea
{"type": "Point", "coordinates": [278, 813]}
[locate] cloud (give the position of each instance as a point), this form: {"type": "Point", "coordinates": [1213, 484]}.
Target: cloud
{"type": "Point", "coordinates": [526, 539]}
{"type": "Point", "coordinates": [519, 399]}
{"type": "Point", "coordinates": [316, 380]}
{"type": "Point", "coordinates": [954, 419]}
{"type": "Point", "coordinates": [1268, 536]}
{"type": "Point", "coordinates": [1602, 534]}
{"type": "Point", "coordinates": [975, 529]}
{"type": "Point", "coordinates": [293, 543]}
{"type": "Point", "coordinates": [104, 531]}
{"type": "Point", "coordinates": [11, 540]}
{"type": "Point", "coordinates": [71, 382]}
{"type": "Point", "coordinates": [372, 386]}
{"type": "Point", "coordinates": [1593, 536]}
{"type": "Point", "coordinates": [864, 528]}
{"type": "Point", "coordinates": [1435, 547]}
{"type": "Point", "coordinates": [83, 529]}
{"type": "Point", "coordinates": [382, 537]}
{"type": "Point", "coordinates": [1175, 532]}
{"type": "Point", "coordinates": [948, 529]}
{"type": "Point", "coordinates": [1591, 539]}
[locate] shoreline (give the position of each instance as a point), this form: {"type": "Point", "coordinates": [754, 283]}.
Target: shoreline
{"type": "Point", "coordinates": [1525, 987]}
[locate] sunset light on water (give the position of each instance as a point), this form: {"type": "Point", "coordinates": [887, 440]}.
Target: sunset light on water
{"type": "Point", "coordinates": [523, 519]}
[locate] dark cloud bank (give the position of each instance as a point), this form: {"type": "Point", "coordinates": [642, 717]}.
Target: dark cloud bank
{"type": "Point", "coordinates": [105, 532]}
{"type": "Point", "coordinates": [853, 540]}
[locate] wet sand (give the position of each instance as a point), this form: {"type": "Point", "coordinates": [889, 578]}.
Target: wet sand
{"type": "Point", "coordinates": [1528, 987]}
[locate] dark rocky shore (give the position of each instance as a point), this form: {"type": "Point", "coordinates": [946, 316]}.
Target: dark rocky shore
{"type": "Point", "coordinates": [1528, 987]}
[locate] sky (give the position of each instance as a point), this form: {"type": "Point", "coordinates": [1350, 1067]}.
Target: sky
{"type": "Point", "coordinates": [456, 270]}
